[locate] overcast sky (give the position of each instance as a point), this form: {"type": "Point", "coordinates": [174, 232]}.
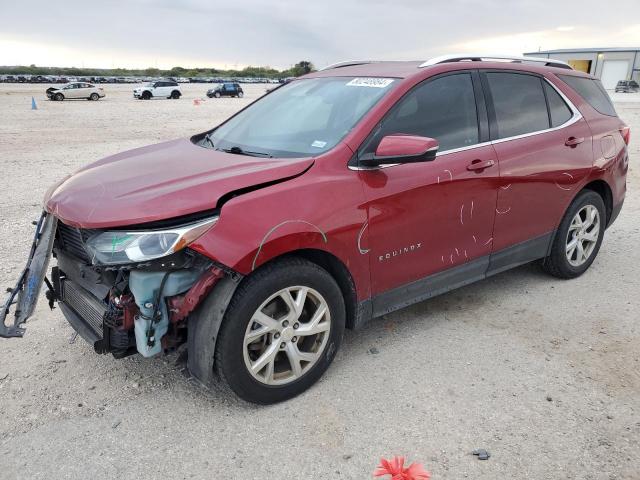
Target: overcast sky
{"type": "Point", "coordinates": [236, 33]}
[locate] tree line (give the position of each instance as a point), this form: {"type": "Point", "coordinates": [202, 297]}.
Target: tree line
{"type": "Point", "coordinates": [296, 70]}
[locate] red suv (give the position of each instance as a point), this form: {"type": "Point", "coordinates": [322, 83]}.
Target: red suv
{"type": "Point", "coordinates": [344, 195]}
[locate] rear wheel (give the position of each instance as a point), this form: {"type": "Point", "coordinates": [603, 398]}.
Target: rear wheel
{"type": "Point", "coordinates": [579, 237]}
{"type": "Point", "coordinates": [175, 95]}
{"type": "Point", "coordinates": [240, 94]}
{"type": "Point", "coordinates": [281, 331]}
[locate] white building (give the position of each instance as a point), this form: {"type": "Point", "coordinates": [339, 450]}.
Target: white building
{"type": "Point", "coordinates": [608, 64]}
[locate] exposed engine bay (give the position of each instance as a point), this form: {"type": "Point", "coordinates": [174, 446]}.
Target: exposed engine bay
{"type": "Point", "coordinates": [127, 308]}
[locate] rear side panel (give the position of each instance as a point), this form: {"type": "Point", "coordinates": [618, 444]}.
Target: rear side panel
{"type": "Point", "coordinates": [609, 149]}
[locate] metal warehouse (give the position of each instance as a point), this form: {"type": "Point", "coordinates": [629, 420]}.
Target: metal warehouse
{"type": "Point", "coordinates": [609, 64]}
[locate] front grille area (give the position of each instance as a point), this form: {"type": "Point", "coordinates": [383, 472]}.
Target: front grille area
{"type": "Point", "coordinates": [72, 240]}
{"type": "Point", "coordinates": [88, 307]}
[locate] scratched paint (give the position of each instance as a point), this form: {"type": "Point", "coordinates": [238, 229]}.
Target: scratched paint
{"type": "Point", "coordinates": [565, 188]}
{"type": "Point", "coordinates": [264, 239]}
{"type": "Point", "coordinates": [363, 251]}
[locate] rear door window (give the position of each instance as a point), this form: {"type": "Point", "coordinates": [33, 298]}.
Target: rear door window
{"type": "Point", "coordinates": [519, 103]}
{"type": "Point", "coordinates": [593, 92]}
{"type": "Point", "coordinates": [559, 111]}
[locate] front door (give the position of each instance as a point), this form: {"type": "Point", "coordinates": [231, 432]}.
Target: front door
{"type": "Point", "coordinates": [544, 150]}
{"type": "Point", "coordinates": [71, 91]}
{"type": "Point", "coordinates": [431, 217]}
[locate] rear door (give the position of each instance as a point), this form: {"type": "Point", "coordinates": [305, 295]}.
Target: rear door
{"type": "Point", "coordinates": [544, 151]}
{"type": "Point", "coordinates": [430, 217]}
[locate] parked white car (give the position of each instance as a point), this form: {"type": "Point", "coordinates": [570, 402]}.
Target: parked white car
{"type": "Point", "coordinates": [159, 89]}
{"type": "Point", "coordinates": [75, 90]}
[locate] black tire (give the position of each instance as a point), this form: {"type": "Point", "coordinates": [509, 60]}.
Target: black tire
{"type": "Point", "coordinates": [175, 95]}
{"type": "Point", "coordinates": [252, 292]}
{"type": "Point", "coordinates": [146, 95]}
{"type": "Point", "coordinates": [240, 94]}
{"type": "Point", "coordinates": [58, 97]}
{"type": "Point", "coordinates": [95, 97]}
{"type": "Point", "coordinates": [557, 263]}
{"type": "Point", "coordinates": [217, 94]}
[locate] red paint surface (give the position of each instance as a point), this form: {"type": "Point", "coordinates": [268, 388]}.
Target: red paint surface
{"type": "Point", "coordinates": [404, 145]}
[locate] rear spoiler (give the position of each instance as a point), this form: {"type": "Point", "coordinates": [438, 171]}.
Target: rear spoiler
{"type": "Point", "coordinates": [27, 289]}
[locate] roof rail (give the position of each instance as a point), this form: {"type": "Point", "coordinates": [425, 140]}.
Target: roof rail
{"type": "Point", "coordinates": [549, 62]}
{"type": "Point", "coordinates": [348, 63]}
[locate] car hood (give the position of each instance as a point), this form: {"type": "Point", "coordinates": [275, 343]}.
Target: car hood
{"type": "Point", "coordinates": [159, 182]}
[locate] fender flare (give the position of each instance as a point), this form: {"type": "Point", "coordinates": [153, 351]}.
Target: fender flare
{"type": "Point", "coordinates": [203, 327]}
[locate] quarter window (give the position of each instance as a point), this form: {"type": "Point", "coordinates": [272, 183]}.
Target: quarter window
{"type": "Point", "coordinates": [443, 109]}
{"type": "Point", "coordinates": [593, 92]}
{"type": "Point", "coordinates": [519, 103]}
{"type": "Point", "coordinates": [559, 111]}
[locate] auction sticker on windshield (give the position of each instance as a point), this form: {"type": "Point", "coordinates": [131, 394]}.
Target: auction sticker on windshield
{"type": "Point", "coordinates": [370, 82]}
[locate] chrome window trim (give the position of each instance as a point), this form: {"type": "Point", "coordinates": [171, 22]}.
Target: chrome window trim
{"type": "Point", "coordinates": [577, 116]}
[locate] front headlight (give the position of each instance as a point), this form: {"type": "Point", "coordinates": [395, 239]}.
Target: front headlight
{"type": "Point", "coordinates": [122, 246]}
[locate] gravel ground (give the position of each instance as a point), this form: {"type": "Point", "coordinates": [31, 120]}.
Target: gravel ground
{"type": "Point", "coordinates": [542, 373]}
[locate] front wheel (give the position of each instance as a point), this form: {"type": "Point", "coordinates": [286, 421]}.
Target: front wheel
{"type": "Point", "coordinates": [146, 95]}
{"type": "Point", "coordinates": [58, 97]}
{"type": "Point", "coordinates": [240, 94]}
{"type": "Point", "coordinates": [95, 97]}
{"type": "Point", "coordinates": [579, 236]}
{"type": "Point", "coordinates": [281, 331]}
{"type": "Point", "coordinates": [217, 94]}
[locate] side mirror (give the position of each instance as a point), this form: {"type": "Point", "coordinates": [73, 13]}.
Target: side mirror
{"type": "Point", "coordinates": [400, 148]}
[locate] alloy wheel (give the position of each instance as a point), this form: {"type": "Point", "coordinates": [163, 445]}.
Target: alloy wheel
{"type": "Point", "coordinates": [583, 235]}
{"type": "Point", "coordinates": [286, 335]}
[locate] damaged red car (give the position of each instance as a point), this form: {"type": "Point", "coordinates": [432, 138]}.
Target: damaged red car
{"type": "Point", "coordinates": [342, 196]}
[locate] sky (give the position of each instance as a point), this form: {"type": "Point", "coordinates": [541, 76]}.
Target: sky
{"type": "Point", "coordinates": [279, 33]}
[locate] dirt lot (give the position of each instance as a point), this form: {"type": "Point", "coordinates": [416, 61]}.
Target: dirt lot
{"type": "Point", "coordinates": [542, 373]}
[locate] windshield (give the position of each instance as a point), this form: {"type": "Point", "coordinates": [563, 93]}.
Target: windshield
{"type": "Point", "coordinates": [304, 118]}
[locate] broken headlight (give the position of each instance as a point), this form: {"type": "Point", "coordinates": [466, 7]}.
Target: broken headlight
{"type": "Point", "coordinates": [121, 246]}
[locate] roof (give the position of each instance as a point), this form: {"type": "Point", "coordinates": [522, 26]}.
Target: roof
{"type": "Point", "coordinates": [395, 69]}
{"type": "Point", "coordinates": [585, 50]}
{"type": "Point", "coordinates": [405, 69]}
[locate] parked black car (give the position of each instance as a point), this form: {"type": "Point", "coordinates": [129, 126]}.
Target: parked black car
{"type": "Point", "coordinates": [627, 86]}
{"type": "Point", "coordinates": [226, 90]}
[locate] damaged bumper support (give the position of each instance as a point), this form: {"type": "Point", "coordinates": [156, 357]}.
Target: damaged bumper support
{"type": "Point", "coordinates": [24, 295]}
{"type": "Point", "coordinates": [120, 308]}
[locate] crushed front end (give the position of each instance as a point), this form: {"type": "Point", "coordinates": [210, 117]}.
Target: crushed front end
{"type": "Point", "coordinates": [123, 290]}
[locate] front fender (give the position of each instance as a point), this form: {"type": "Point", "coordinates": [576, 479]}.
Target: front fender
{"type": "Point", "coordinates": [323, 209]}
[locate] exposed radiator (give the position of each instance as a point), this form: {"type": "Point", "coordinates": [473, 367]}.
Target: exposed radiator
{"type": "Point", "coordinates": [88, 307]}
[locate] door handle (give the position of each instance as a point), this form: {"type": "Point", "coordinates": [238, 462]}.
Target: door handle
{"type": "Point", "coordinates": [479, 165]}
{"type": "Point", "coordinates": [573, 142]}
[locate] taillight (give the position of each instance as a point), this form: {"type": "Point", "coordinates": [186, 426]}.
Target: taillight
{"type": "Point", "coordinates": [626, 134]}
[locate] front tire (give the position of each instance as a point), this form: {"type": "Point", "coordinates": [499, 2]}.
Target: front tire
{"type": "Point", "coordinates": [146, 95]}
{"type": "Point", "coordinates": [579, 236]}
{"type": "Point", "coordinates": [217, 94]}
{"type": "Point", "coordinates": [95, 97]}
{"type": "Point", "coordinates": [240, 94]}
{"type": "Point", "coordinates": [58, 97]}
{"type": "Point", "coordinates": [280, 332]}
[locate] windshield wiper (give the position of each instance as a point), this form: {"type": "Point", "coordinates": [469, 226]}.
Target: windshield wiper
{"type": "Point", "coordinates": [239, 151]}
{"type": "Point", "coordinates": [209, 141]}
